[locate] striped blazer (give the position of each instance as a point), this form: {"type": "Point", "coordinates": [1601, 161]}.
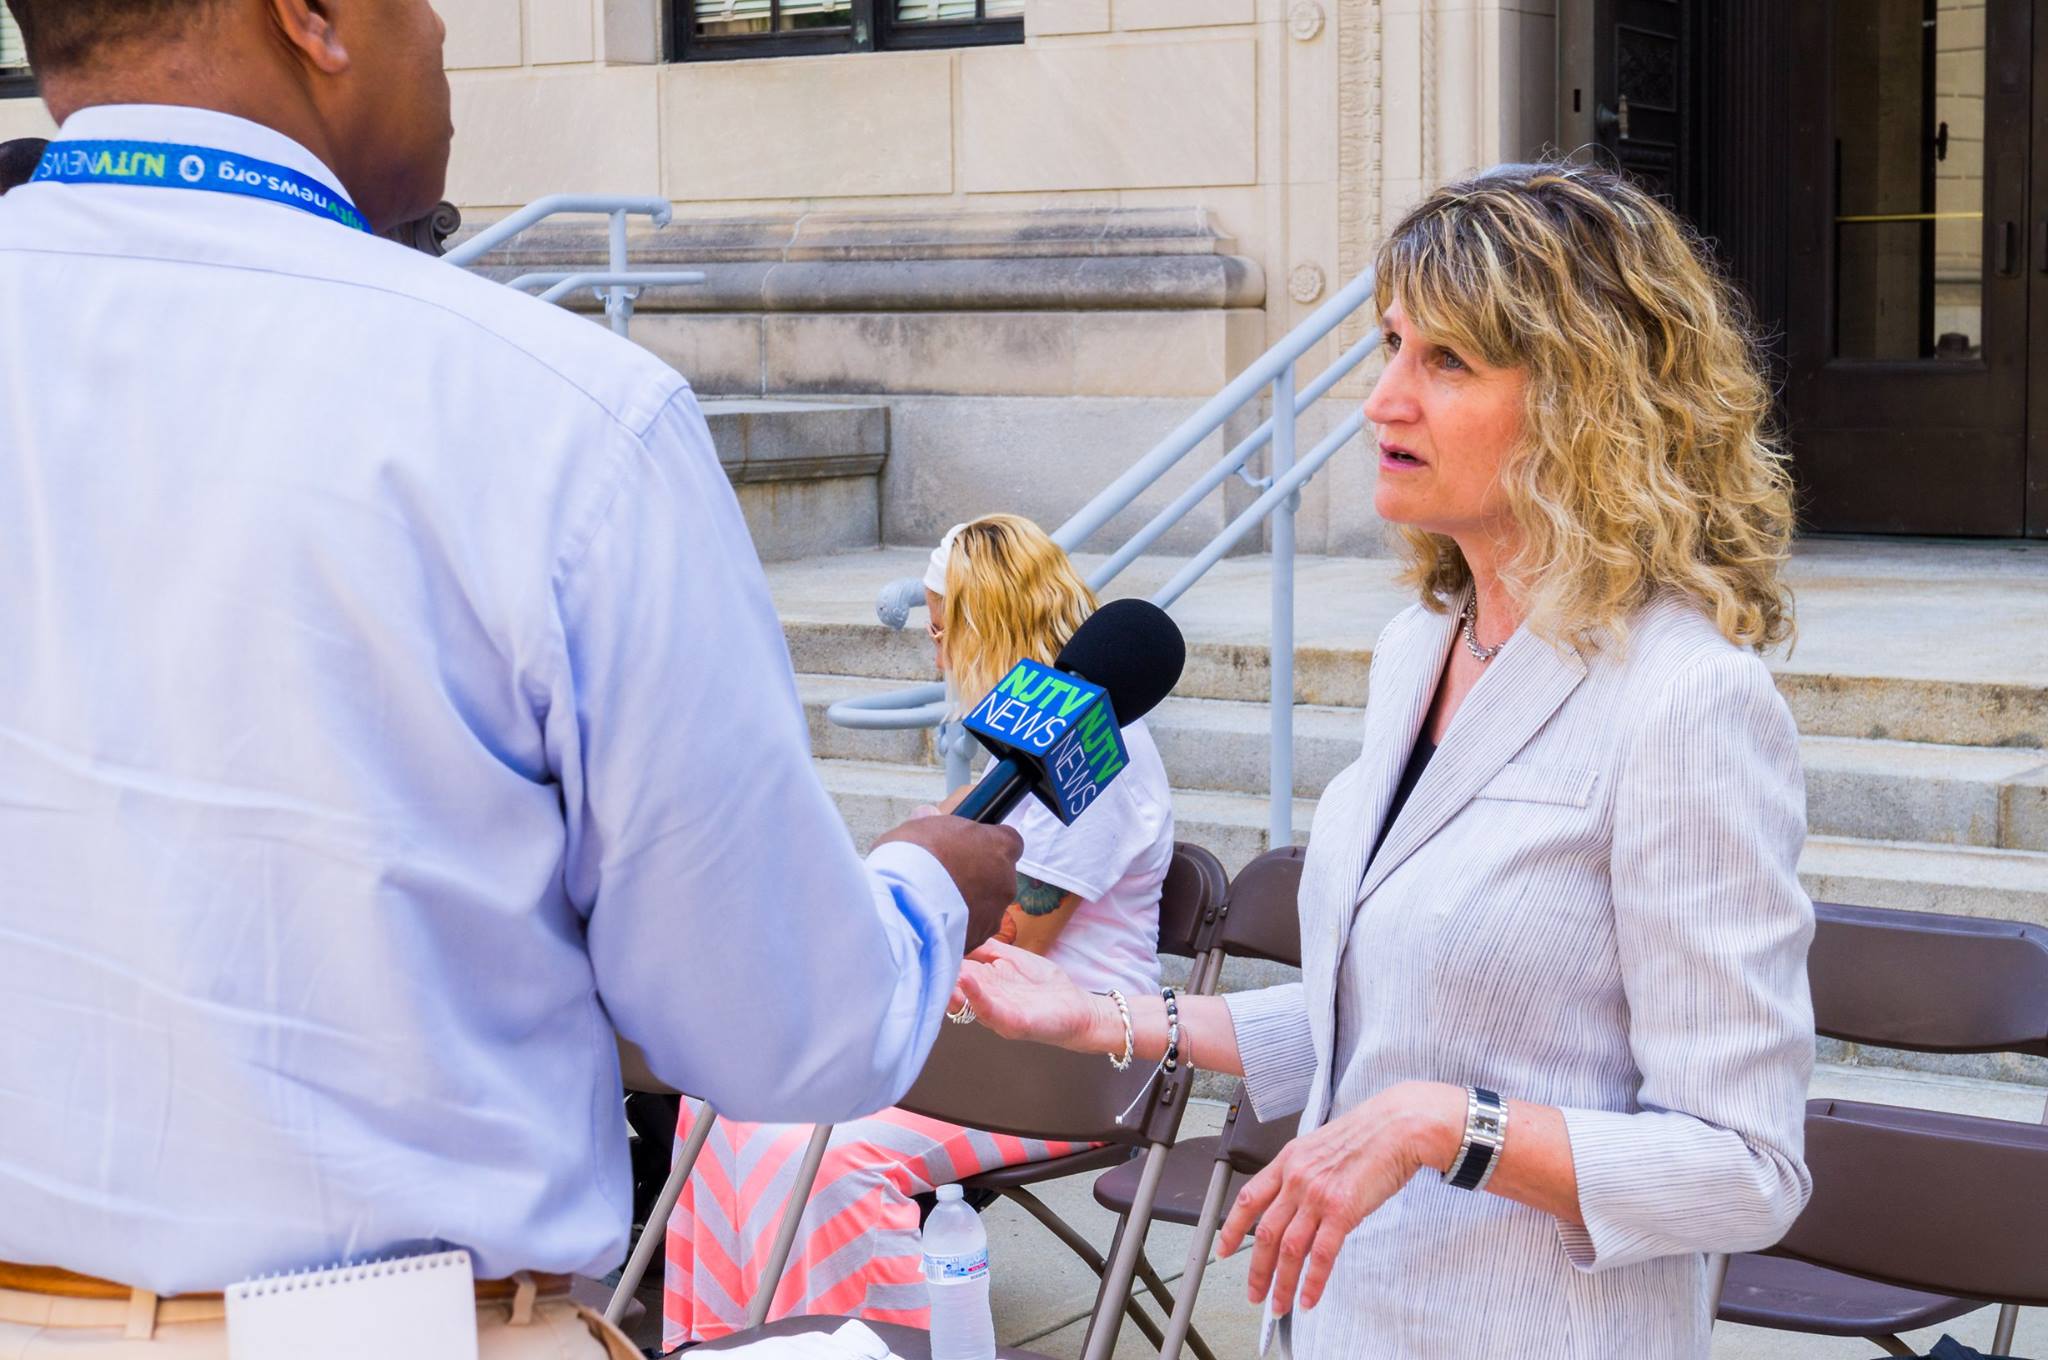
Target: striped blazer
{"type": "Point", "coordinates": [1590, 900]}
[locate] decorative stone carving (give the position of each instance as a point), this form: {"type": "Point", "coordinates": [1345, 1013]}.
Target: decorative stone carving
{"type": "Point", "coordinates": [1305, 20]}
{"type": "Point", "coordinates": [429, 233]}
{"type": "Point", "coordinates": [1305, 284]}
{"type": "Point", "coordinates": [1360, 172]}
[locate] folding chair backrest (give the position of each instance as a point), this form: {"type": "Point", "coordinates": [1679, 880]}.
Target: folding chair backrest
{"type": "Point", "coordinates": [1935, 984]}
{"type": "Point", "coordinates": [1033, 1090]}
{"type": "Point", "coordinates": [1946, 1203]}
{"type": "Point", "coordinates": [1261, 918]}
{"type": "Point", "coordinates": [1250, 1142]}
{"type": "Point", "coordinates": [1190, 901]}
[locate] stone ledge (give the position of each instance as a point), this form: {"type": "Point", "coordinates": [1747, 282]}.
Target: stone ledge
{"type": "Point", "coordinates": [1066, 260]}
{"type": "Point", "coordinates": [789, 441]}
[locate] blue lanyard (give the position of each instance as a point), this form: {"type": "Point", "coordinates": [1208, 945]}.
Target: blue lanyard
{"type": "Point", "coordinates": [166, 165]}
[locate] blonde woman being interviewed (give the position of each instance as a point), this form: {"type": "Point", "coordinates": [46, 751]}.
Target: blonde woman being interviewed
{"type": "Point", "coordinates": [1087, 899]}
{"type": "Point", "coordinates": [1553, 1035]}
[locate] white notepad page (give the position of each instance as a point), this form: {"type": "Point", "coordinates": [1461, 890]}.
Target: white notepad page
{"type": "Point", "coordinates": [410, 1308]}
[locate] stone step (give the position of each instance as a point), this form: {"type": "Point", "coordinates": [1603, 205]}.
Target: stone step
{"type": "Point", "coordinates": [807, 473]}
{"type": "Point", "coordinates": [875, 795]}
{"type": "Point", "coordinates": [1959, 880]}
{"type": "Point", "coordinates": [1892, 643]}
{"type": "Point", "coordinates": [1995, 797]}
{"type": "Point", "coordinates": [1918, 876]}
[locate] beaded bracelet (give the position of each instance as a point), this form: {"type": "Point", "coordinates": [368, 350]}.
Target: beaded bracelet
{"type": "Point", "coordinates": [1172, 1060]}
{"type": "Point", "coordinates": [1123, 1009]}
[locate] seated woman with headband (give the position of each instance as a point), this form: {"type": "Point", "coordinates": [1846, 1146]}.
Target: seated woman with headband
{"type": "Point", "coordinates": [998, 590]}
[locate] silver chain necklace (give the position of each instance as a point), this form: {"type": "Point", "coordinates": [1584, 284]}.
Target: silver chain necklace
{"type": "Point", "coordinates": [1469, 616]}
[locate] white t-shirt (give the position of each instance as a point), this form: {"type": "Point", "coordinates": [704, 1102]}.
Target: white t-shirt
{"type": "Point", "coordinates": [1114, 858]}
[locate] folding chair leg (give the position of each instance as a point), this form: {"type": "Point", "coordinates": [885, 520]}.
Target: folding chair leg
{"type": "Point", "coordinates": [1057, 1226]}
{"type": "Point", "coordinates": [1132, 1309]}
{"type": "Point", "coordinates": [1892, 1345]}
{"type": "Point", "coordinates": [2001, 1337]}
{"type": "Point", "coordinates": [1180, 1327]}
{"type": "Point", "coordinates": [1123, 1268]}
{"type": "Point", "coordinates": [1153, 1284]}
{"type": "Point", "coordinates": [656, 1230]}
{"type": "Point", "coordinates": [785, 1233]}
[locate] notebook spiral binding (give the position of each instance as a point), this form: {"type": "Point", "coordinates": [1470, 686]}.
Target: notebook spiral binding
{"type": "Point", "coordinates": [323, 1277]}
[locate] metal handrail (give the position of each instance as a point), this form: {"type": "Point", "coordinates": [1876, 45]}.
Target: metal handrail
{"type": "Point", "coordinates": [926, 705]}
{"type": "Point", "coordinates": [619, 285]}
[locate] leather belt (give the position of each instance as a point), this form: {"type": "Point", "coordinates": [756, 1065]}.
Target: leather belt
{"type": "Point", "coordinates": [66, 1284]}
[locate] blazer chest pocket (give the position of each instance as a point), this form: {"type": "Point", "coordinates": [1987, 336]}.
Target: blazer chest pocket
{"type": "Point", "coordinates": [1557, 784]}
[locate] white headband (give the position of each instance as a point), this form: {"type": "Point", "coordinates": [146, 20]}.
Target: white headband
{"type": "Point", "coordinates": [935, 569]}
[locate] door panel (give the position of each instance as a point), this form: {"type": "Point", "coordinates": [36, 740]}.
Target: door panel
{"type": "Point", "coordinates": [1907, 291]}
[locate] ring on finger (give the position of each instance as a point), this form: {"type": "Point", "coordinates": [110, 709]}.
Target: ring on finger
{"type": "Point", "coordinates": [963, 1016]}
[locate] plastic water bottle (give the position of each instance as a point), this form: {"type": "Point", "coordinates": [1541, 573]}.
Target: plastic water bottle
{"type": "Point", "coordinates": [955, 1250]}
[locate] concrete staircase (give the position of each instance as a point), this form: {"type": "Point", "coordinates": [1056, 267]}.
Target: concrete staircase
{"type": "Point", "coordinates": [807, 473]}
{"type": "Point", "coordinates": [1927, 777]}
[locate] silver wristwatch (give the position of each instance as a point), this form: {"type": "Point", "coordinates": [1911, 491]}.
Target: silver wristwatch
{"type": "Point", "coordinates": [1486, 1133]}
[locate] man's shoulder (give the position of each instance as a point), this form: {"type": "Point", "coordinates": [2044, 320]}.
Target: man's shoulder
{"type": "Point", "coordinates": [469, 316]}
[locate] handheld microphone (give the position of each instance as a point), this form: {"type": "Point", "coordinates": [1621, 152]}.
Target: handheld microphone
{"type": "Point", "coordinates": [1055, 731]}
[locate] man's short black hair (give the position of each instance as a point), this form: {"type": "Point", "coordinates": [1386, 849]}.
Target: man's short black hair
{"type": "Point", "coordinates": [63, 34]}
{"type": "Point", "coordinates": [18, 160]}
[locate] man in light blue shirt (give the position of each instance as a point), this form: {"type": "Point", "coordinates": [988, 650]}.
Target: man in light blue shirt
{"type": "Point", "coordinates": [391, 704]}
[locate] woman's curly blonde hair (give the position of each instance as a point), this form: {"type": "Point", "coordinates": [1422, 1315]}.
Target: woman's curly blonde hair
{"type": "Point", "coordinates": [1011, 592]}
{"type": "Point", "coordinates": [1648, 461]}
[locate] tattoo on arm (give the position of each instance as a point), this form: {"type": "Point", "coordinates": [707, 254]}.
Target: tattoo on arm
{"type": "Point", "coordinates": [1036, 898]}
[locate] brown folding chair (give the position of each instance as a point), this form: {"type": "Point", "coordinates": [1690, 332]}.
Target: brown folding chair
{"type": "Point", "coordinates": [1190, 906]}
{"type": "Point", "coordinates": [1941, 1204]}
{"type": "Point", "coordinates": [1260, 919]}
{"type": "Point", "coordinates": [1030, 1091]}
{"type": "Point", "coordinates": [1930, 984]}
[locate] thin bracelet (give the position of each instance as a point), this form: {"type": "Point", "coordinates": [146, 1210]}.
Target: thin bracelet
{"type": "Point", "coordinates": [1123, 1009]}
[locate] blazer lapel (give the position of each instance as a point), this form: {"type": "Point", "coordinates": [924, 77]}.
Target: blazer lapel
{"type": "Point", "coordinates": [1403, 682]}
{"type": "Point", "coordinates": [1519, 692]}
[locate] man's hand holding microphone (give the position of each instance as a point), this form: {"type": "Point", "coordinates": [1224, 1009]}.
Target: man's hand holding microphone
{"type": "Point", "coordinates": [981, 859]}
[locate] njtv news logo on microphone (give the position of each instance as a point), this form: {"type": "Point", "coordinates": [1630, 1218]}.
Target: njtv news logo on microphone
{"type": "Point", "coordinates": [1064, 723]}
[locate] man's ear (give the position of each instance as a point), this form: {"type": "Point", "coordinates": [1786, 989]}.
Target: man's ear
{"type": "Point", "coordinates": [304, 26]}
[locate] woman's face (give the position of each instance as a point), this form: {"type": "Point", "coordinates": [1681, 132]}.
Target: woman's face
{"type": "Point", "coordinates": [1446, 423]}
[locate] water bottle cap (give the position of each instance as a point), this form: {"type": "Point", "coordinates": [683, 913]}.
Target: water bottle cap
{"type": "Point", "coordinates": [948, 1193]}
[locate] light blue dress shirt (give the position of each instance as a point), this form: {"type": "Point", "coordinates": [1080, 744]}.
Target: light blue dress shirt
{"type": "Point", "coordinates": [391, 705]}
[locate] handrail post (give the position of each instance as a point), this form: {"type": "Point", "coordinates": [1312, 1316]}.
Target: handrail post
{"type": "Point", "coordinates": [958, 749]}
{"type": "Point", "coordinates": [1280, 821]}
{"type": "Point", "coordinates": [618, 303]}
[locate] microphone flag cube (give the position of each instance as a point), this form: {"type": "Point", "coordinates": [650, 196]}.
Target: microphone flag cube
{"type": "Point", "coordinates": [1057, 726]}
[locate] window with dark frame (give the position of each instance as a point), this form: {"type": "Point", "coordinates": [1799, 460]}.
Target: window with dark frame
{"type": "Point", "coordinates": [14, 73]}
{"type": "Point", "coordinates": [715, 29]}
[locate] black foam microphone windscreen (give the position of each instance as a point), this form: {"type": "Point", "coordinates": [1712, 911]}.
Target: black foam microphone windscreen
{"type": "Point", "coordinates": [1133, 650]}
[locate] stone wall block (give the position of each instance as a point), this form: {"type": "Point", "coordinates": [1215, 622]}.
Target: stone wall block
{"type": "Point", "coordinates": [1051, 18]}
{"type": "Point", "coordinates": [1125, 116]}
{"type": "Point", "coordinates": [519, 136]}
{"type": "Point", "coordinates": [1153, 14]}
{"type": "Point", "coordinates": [560, 31]}
{"type": "Point", "coordinates": [822, 127]}
{"type": "Point", "coordinates": [720, 355]}
{"type": "Point", "coordinates": [481, 33]}
{"type": "Point", "coordinates": [986, 353]}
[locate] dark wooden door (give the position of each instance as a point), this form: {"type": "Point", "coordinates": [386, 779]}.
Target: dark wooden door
{"type": "Point", "coordinates": [1907, 278]}
{"type": "Point", "coordinates": [1645, 104]}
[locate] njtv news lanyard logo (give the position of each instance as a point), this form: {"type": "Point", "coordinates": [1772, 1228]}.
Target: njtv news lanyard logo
{"type": "Point", "coordinates": [166, 165]}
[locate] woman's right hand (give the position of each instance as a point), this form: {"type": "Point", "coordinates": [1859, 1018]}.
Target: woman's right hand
{"type": "Point", "coordinates": [1021, 995]}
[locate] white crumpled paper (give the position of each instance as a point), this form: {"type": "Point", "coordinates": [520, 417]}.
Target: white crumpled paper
{"type": "Point", "coordinates": [854, 1341]}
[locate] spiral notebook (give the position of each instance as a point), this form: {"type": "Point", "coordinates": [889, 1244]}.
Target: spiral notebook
{"type": "Point", "coordinates": [408, 1308]}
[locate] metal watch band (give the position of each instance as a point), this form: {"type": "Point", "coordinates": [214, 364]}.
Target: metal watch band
{"type": "Point", "coordinates": [1486, 1132]}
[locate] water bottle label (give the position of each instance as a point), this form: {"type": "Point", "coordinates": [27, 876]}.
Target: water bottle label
{"type": "Point", "coordinates": [967, 1266]}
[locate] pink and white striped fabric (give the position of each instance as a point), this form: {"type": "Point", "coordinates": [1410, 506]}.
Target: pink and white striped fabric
{"type": "Point", "coordinates": [856, 1250]}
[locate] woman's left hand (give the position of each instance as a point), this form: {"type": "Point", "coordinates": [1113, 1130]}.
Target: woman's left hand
{"type": "Point", "coordinates": [1325, 1183]}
